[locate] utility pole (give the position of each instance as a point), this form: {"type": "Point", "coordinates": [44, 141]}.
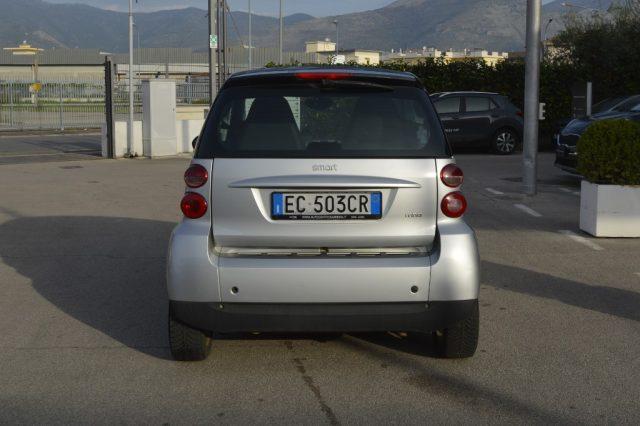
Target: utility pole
{"type": "Point", "coordinates": [531, 98]}
{"type": "Point", "coordinates": [130, 127]}
{"type": "Point", "coordinates": [250, 54]}
{"type": "Point", "coordinates": [281, 25]}
{"type": "Point", "coordinates": [225, 71]}
{"type": "Point", "coordinates": [213, 46]}
{"type": "Point", "coordinates": [219, 60]}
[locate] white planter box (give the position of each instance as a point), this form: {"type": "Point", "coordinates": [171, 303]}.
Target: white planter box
{"type": "Point", "coordinates": [610, 210]}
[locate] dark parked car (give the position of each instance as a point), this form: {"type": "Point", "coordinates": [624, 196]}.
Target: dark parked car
{"type": "Point", "coordinates": [479, 118]}
{"type": "Point", "coordinates": [605, 105]}
{"type": "Point", "coordinates": [567, 139]}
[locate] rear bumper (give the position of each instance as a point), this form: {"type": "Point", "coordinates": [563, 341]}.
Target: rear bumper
{"type": "Point", "coordinates": [451, 272]}
{"type": "Point", "coordinates": [333, 317]}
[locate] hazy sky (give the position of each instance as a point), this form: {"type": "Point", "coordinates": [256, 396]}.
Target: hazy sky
{"type": "Point", "coordinates": [263, 7]}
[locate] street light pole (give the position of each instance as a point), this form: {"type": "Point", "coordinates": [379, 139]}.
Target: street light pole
{"type": "Point", "coordinates": [336, 24]}
{"type": "Point", "coordinates": [281, 25]}
{"type": "Point", "coordinates": [130, 127]}
{"type": "Point", "coordinates": [531, 98]}
{"type": "Point", "coordinates": [250, 55]}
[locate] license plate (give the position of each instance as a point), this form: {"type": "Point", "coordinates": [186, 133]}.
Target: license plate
{"type": "Point", "coordinates": [326, 205]}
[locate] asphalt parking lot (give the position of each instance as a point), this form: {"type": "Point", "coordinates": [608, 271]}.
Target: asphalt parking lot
{"type": "Point", "coordinates": [83, 337]}
{"type": "Point", "coordinates": [36, 147]}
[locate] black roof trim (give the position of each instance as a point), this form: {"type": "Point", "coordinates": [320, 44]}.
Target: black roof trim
{"type": "Point", "coordinates": [356, 71]}
{"type": "Point", "coordinates": [463, 92]}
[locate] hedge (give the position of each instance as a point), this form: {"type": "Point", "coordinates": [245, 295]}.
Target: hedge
{"type": "Point", "coordinates": [609, 153]}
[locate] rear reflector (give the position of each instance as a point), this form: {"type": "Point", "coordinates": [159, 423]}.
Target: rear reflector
{"type": "Point", "coordinates": [196, 176]}
{"type": "Point", "coordinates": [453, 204]}
{"type": "Point", "coordinates": [323, 75]}
{"type": "Point", "coordinates": [193, 205]}
{"type": "Point", "coordinates": [451, 175]}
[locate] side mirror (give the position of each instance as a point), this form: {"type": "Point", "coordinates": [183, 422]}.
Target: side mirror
{"type": "Point", "coordinates": [194, 142]}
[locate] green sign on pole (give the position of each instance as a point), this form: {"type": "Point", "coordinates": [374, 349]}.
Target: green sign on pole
{"type": "Point", "coordinates": [213, 41]}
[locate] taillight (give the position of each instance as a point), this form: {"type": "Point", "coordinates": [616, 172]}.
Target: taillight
{"type": "Point", "coordinates": [453, 204]}
{"type": "Point", "coordinates": [196, 176]}
{"type": "Point", "coordinates": [519, 113]}
{"type": "Point", "coordinates": [193, 205]}
{"type": "Point", "coordinates": [451, 175]}
{"type": "Point", "coordinates": [322, 75]}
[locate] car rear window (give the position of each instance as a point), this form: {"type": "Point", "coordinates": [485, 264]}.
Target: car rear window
{"type": "Point", "coordinates": [448, 105]}
{"type": "Point", "coordinates": [310, 121]}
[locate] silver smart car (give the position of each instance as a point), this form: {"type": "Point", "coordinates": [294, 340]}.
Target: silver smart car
{"type": "Point", "coordinates": [322, 200]}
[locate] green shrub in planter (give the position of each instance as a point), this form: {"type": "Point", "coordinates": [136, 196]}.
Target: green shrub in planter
{"type": "Point", "coordinates": [609, 153]}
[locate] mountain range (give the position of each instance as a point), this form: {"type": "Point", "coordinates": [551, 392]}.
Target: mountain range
{"type": "Point", "coordinates": [490, 24]}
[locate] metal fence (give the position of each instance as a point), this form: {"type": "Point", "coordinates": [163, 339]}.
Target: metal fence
{"type": "Point", "coordinates": [79, 104]}
{"type": "Point", "coordinates": [187, 93]}
{"type": "Point", "coordinates": [51, 104]}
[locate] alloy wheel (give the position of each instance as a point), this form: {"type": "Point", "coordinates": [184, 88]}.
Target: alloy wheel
{"type": "Point", "coordinates": [505, 141]}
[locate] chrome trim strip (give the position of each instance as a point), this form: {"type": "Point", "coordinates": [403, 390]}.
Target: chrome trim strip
{"type": "Point", "coordinates": [317, 252]}
{"type": "Point", "coordinates": [323, 181]}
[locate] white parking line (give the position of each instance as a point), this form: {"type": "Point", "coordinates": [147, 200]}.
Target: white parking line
{"type": "Point", "coordinates": [494, 192]}
{"type": "Point", "coordinates": [568, 191]}
{"type": "Point", "coordinates": [579, 239]}
{"type": "Point", "coordinates": [527, 210]}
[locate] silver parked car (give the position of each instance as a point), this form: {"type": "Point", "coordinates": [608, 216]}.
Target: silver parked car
{"type": "Point", "coordinates": [322, 200]}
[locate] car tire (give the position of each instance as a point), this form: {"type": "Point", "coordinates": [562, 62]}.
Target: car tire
{"type": "Point", "coordinates": [504, 141]}
{"type": "Point", "coordinates": [461, 339]}
{"type": "Point", "coordinates": [186, 343]}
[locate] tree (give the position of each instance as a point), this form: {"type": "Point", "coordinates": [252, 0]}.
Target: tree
{"type": "Point", "coordinates": [603, 49]}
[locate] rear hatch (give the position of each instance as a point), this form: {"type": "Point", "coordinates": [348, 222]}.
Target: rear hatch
{"type": "Point", "coordinates": [246, 195]}
{"type": "Point", "coordinates": [333, 176]}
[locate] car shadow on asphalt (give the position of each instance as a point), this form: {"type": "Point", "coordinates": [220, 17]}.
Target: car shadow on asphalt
{"type": "Point", "coordinates": [107, 272]}
{"type": "Point", "coordinates": [613, 301]}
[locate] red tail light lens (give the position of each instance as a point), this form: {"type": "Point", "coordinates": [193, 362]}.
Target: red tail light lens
{"type": "Point", "coordinates": [451, 175]}
{"type": "Point", "coordinates": [193, 205]}
{"type": "Point", "coordinates": [323, 75]}
{"type": "Point", "coordinates": [196, 176]}
{"type": "Point", "coordinates": [453, 204]}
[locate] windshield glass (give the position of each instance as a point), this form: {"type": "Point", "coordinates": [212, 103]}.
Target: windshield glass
{"type": "Point", "coordinates": [607, 104]}
{"type": "Point", "coordinates": [310, 120]}
{"type": "Point", "coordinates": [630, 105]}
